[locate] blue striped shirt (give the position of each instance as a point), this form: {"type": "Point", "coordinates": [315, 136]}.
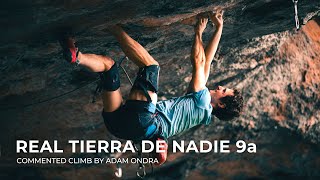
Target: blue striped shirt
{"type": "Point", "coordinates": [182, 113]}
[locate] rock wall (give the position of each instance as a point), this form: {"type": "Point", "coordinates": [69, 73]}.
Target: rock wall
{"type": "Point", "coordinates": [275, 67]}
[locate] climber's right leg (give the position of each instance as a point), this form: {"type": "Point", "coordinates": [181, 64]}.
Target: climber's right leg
{"type": "Point", "coordinates": [111, 95]}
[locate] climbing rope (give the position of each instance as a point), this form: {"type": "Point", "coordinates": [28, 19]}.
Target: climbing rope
{"type": "Point", "coordinates": [296, 17]}
{"type": "Point", "coordinates": [47, 100]}
{"type": "Point", "coordinates": [124, 70]}
{"type": "Point", "coordinates": [97, 91]}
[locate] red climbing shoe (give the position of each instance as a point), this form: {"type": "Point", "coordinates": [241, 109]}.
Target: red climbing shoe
{"type": "Point", "coordinates": [70, 50]}
{"type": "Point", "coordinates": [161, 156]}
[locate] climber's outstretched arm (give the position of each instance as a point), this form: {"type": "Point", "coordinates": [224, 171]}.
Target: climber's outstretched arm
{"type": "Point", "coordinates": [198, 58]}
{"type": "Point", "coordinates": [212, 46]}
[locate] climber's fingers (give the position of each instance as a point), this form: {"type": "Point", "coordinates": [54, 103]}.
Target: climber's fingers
{"type": "Point", "coordinates": [219, 14]}
{"type": "Point", "coordinates": [204, 20]}
{"type": "Point", "coordinates": [216, 17]}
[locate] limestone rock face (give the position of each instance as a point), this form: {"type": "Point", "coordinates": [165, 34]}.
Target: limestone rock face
{"type": "Point", "coordinates": [276, 68]}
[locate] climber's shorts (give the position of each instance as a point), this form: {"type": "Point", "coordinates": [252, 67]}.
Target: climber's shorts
{"type": "Point", "coordinates": [147, 79]}
{"type": "Point", "coordinates": [133, 121]}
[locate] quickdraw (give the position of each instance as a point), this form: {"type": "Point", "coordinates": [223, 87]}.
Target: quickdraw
{"type": "Point", "coordinates": [141, 171]}
{"type": "Point", "coordinates": [296, 17]}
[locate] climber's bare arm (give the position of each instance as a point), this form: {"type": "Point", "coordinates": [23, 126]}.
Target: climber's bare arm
{"type": "Point", "coordinates": [211, 49]}
{"type": "Point", "coordinates": [198, 58]}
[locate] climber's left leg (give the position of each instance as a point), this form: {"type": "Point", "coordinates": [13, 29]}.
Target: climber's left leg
{"type": "Point", "coordinates": [145, 87]}
{"type": "Point", "coordinates": [135, 52]}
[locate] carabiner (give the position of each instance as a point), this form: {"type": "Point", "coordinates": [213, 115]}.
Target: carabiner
{"type": "Point", "coordinates": [141, 169]}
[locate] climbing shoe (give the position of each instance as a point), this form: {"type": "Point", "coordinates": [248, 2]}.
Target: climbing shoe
{"type": "Point", "coordinates": [69, 49]}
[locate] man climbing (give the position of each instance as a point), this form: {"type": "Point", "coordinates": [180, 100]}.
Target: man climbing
{"type": "Point", "coordinates": [142, 117]}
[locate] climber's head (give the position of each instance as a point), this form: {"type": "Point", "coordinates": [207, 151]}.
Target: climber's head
{"type": "Point", "coordinates": [227, 103]}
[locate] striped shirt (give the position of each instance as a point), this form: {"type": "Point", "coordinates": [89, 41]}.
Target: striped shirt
{"type": "Point", "coordinates": [182, 113]}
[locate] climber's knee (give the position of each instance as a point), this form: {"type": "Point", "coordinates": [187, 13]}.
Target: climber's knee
{"type": "Point", "coordinates": [110, 80]}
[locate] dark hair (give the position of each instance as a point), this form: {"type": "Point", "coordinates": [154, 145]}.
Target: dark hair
{"type": "Point", "coordinates": [233, 107]}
